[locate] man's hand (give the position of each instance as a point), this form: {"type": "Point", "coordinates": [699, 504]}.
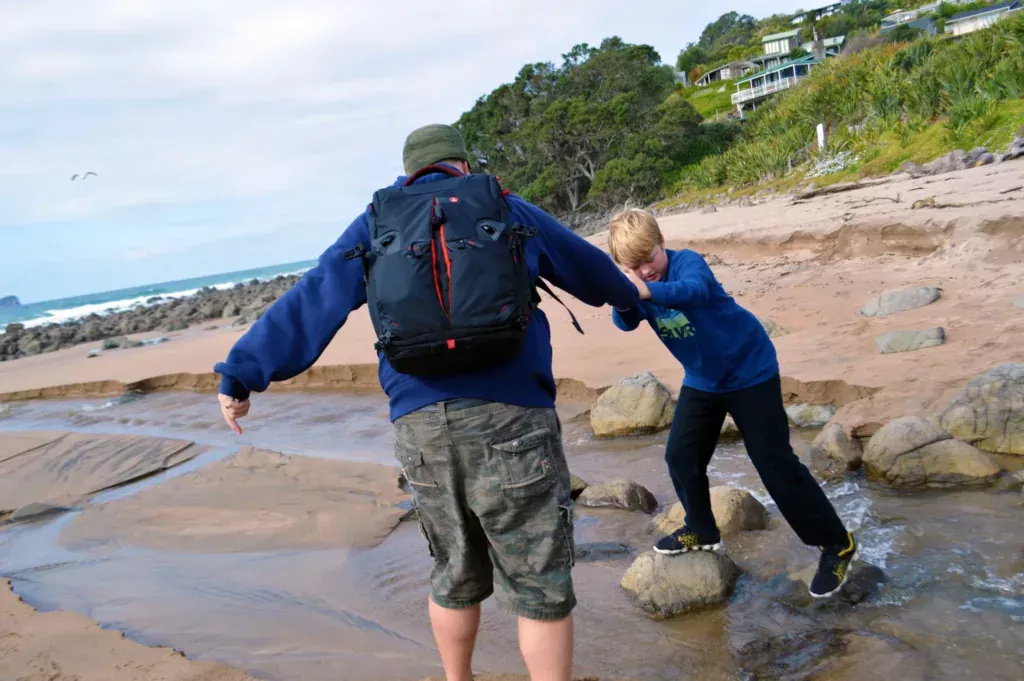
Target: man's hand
{"type": "Point", "coordinates": [232, 410]}
{"type": "Point", "coordinates": [641, 286]}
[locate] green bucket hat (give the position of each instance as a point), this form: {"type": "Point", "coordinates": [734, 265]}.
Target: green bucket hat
{"type": "Point", "coordinates": [430, 144]}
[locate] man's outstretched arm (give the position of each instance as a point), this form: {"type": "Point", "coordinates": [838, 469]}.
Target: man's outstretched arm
{"type": "Point", "coordinates": [294, 331]}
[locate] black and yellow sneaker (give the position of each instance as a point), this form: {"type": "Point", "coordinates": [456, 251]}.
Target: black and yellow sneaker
{"type": "Point", "coordinates": [833, 568]}
{"type": "Point", "coordinates": [684, 539]}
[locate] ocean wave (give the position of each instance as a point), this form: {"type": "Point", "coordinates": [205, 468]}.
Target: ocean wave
{"type": "Point", "coordinates": [140, 300]}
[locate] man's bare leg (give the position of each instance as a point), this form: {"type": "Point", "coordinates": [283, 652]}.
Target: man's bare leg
{"type": "Point", "coordinates": [455, 634]}
{"type": "Point", "coordinates": [546, 646]}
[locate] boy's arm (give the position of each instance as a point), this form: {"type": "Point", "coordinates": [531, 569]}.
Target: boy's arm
{"type": "Point", "coordinates": [297, 327]}
{"type": "Point", "coordinates": [627, 320]}
{"type": "Point", "coordinates": [572, 263]}
{"type": "Point", "coordinates": [690, 282]}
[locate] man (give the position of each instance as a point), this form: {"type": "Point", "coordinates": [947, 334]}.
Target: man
{"type": "Point", "coordinates": [476, 434]}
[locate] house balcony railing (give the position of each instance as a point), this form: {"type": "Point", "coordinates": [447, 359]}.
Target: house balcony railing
{"type": "Point", "coordinates": [762, 91]}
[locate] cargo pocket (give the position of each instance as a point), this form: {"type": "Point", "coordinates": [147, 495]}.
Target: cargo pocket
{"type": "Point", "coordinates": [565, 518]}
{"type": "Point", "coordinates": [526, 469]}
{"type": "Point", "coordinates": [415, 471]}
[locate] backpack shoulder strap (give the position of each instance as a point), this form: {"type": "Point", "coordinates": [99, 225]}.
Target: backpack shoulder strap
{"type": "Point", "coordinates": [543, 286]}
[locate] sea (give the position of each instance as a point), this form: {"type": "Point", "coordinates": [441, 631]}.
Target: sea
{"type": "Point", "coordinates": [76, 307]}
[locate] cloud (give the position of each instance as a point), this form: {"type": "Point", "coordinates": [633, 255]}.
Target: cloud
{"type": "Point", "coordinates": [261, 112]}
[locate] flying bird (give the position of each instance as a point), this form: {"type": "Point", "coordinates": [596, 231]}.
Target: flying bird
{"type": "Point", "coordinates": [76, 175]}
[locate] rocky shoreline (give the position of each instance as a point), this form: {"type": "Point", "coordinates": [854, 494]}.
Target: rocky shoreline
{"type": "Point", "coordinates": [244, 303]}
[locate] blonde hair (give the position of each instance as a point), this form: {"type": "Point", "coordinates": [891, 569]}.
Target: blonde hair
{"type": "Point", "coordinates": [633, 236]}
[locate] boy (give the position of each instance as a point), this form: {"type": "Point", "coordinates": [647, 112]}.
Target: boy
{"type": "Point", "coordinates": [731, 368]}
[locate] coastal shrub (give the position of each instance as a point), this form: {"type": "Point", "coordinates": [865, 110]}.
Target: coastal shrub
{"type": "Point", "coordinates": [887, 93]}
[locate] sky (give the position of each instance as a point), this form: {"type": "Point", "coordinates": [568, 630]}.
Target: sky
{"type": "Point", "coordinates": [229, 134]}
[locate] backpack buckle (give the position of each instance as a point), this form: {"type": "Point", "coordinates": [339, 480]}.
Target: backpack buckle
{"type": "Point", "coordinates": [358, 251]}
{"type": "Point", "coordinates": [523, 230]}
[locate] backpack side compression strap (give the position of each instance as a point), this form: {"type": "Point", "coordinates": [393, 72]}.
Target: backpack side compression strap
{"type": "Point", "coordinates": [543, 286]}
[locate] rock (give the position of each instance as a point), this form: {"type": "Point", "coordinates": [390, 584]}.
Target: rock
{"type": "Point", "coordinates": [707, 210]}
{"type": "Point", "coordinates": [924, 203]}
{"type": "Point", "coordinates": [976, 157]}
{"type": "Point", "coordinates": [577, 487]}
{"type": "Point", "coordinates": [231, 310]}
{"type": "Point", "coordinates": [111, 344]}
{"type": "Point", "coordinates": [773, 329]}
{"type": "Point", "coordinates": [1016, 150]}
{"type": "Point", "coordinates": [810, 415]}
{"type": "Point", "coordinates": [15, 328]}
{"type": "Point", "coordinates": [10, 302]}
{"type": "Point", "coordinates": [834, 453]}
{"type": "Point", "coordinates": [37, 510]}
{"type": "Point", "coordinates": [639, 404]}
{"type": "Point", "coordinates": [666, 586]}
{"type": "Point", "coordinates": [908, 341]}
{"type": "Point", "coordinates": [175, 324]}
{"type": "Point", "coordinates": [730, 431]}
{"type": "Point", "coordinates": [892, 302]}
{"type": "Point", "coordinates": [744, 201]}
{"type": "Point", "coordinates": [914, 452]}
{"type": "Point", "coordinates": [241, 321]}
{"type": "Point", "coordinates": [624, 494]}
{"type": "Point", "coordinates": [951, 162]}
{"type": "Point", "coordinates": [602, 550]}
{"type": "Point", "coordinates": [989, 411]}
{"type": "Point", "coordinates": [1010, 482]}
{"type": "Point", "coordinates": [863, 582]}
{"type": "Point", "coordinates": [735, 510]}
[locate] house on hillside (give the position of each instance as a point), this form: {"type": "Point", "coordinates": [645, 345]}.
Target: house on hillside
{"type": "Point", "coordinates": [925, 24]}
{"type": "Point", "coordinates": [977, 19]}
{"type": "Point", "coordinates": [728, 72]}
{"type": "Point", "coordinates": [833, 46]}
{"type": "Point", "coordinates": [754, 89]}
{"type": "Point", "coordinates": [777, 47]}
{"type": "Point", "coordinates": [826, 11]}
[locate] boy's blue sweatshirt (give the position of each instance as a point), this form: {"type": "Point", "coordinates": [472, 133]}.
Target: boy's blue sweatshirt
{"type": "Point", "coordinates": [721, 346]}
{"type": "Point", "coordinates": [296, 329]}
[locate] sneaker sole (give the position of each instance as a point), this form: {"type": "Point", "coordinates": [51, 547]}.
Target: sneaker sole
{"type": "Point", "coordinates": [703, 547]}
{"type": "Point", "coordinates": [833, 592]}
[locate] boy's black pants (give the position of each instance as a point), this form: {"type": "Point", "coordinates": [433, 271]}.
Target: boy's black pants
{"type": "Point", "coordinates": [761, 419]}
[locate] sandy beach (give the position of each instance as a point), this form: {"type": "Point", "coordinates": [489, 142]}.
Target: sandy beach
{"type": "Point", "coordinates": [297, 522]}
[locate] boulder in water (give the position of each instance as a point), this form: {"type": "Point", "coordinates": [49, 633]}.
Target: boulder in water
{"type": "Point", "coordinates": [639, 404]}
{"type": "Point", "coordinates": [624, 494]}
{"type": "Point", "coordinates": [989, 411]}
{"type": "Point", "coordinates": [892, 302]}
{"type": "Point", "coordinates": [665, 586]}
{"type": "Point", "coordinates": [10, 301]}
{"type": "Point", "coordinates": [914, 452]}
{"type": "Point", "coordinates": [908, 341]}
{"type": "Point", "coordinates": [578, 485]}
{"type": "Point", "coordinates": [834, 453]}
{"type": "Point", "coordinates": [810, 415]}
{"type": "Point", "coordinates": [735, 510]}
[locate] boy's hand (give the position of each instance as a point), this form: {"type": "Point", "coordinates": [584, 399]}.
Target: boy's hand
{"type": "Point", "coordinates": [641, 286]}
{"type": "Point", "coordinates": [232, 410]}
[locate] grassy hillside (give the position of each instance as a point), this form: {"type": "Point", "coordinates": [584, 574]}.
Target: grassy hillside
{"type": "Point", "coordinates": [884, 105]}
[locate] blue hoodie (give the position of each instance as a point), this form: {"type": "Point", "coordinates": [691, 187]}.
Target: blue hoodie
{"type": "Point", "coordinates": [296, 329]}
{"type": "Point", "coordinates": [721, 346]}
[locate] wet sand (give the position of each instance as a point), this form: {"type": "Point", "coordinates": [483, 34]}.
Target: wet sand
{"type": "Point", "coordinates": [953, 560]}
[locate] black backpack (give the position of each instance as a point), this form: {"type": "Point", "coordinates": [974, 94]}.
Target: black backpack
{"type": "Point", "coordinates": [447, 285]}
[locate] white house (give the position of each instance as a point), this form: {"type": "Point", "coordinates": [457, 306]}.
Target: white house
{"type": "Point", "coordinates": [727, 72]}
{"type": "Point", "coordinates": [977, 19]}
{"type": "Point", "coordinates": [826, 11]}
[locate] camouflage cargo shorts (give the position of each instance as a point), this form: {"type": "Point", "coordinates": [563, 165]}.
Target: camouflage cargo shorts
{"type": "Point", "coordinates": [492, 488]}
